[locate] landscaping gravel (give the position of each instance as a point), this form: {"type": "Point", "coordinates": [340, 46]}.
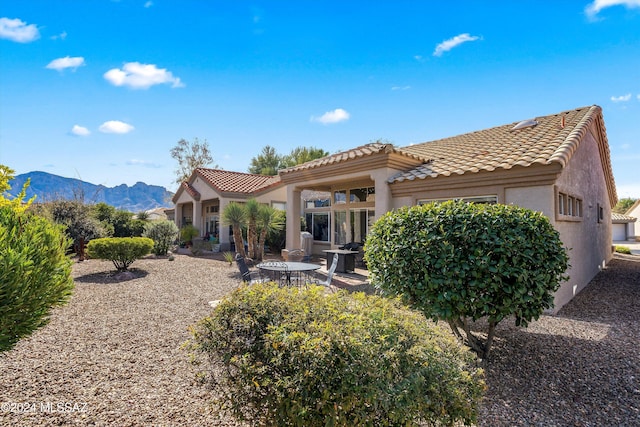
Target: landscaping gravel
{"type": "Point", "coordinates": [113, 355]}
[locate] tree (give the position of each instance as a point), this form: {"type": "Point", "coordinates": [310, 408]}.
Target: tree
{"type": "Point", "coordinates": [269, 162]}
{"type": "Point", "coordinates": [35, 273]}
{"type": "Point", "coordinates": [623, 205]}
{"type": "Point", "coordinates": [269, 220]}
{"type": "Point", "coordinates": [302, 155]}
{"type": "Point", "coordinates": [461, 262]}
{"type": "Point", "coordinates": [6, 175]}
{"type": "Point", "coordinates": [266, 163]}
{"type": "Point", "coordinates": [251, 208]}
{"type": "Point", "coordinates": [235, 216]}
{"type": "Point", "coordinates": [190, 155]}
{"type": "Point", "coordinates": [81, 225]}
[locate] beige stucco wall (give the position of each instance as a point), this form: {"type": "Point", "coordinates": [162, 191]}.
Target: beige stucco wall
{"type": "Point", "coordinates": [589, 240]}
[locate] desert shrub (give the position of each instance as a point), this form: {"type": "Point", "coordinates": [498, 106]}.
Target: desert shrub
{"type": "Point", "coordinates": [460, 262]}
{"type": "Point", "coordinates": [188, 232]}
{"type": "Point", "coordinates": [122, 251]}
{"type": "Point", "coordinates": [163, 234]}
{"type": "Point", "coordinates": [35, 273]}
{"type": "Point", "coordinates": [283, 356]}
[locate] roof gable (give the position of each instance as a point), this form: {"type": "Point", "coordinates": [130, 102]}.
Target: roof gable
{"type": "Point", "coordinates": [552, 139]}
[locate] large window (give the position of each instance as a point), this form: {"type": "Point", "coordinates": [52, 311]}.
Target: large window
{"type": "Point", "coordinates": [340, 227]}
{"type": "Point", "coordinates": [361, 221]}
{"type": "Point", "coordinates": [318, 225]}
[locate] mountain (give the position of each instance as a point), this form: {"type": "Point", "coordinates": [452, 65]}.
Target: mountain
{"type": "Point", "coordinates": [47, 187]}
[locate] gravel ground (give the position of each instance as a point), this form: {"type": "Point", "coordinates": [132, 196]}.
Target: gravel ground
{"type": "Point", "coordinates": [112, 356]}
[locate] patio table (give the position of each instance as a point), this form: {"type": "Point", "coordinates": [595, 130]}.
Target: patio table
{"type": "Point", "coordinates": [287, 267]}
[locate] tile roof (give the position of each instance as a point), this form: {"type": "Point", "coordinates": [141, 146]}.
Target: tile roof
{"type": "Point", "coordinates": [191, 191]}
{"type": "Point", "coordinates": [236, 182]}
{"type": "Point", "coordinates": [618, 218]}
{"type": "Point", "coordinates": [358, 152]}
{"type": "Point", "coordinates": [503, 147]}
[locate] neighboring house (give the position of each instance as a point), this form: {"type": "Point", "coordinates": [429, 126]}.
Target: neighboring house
{"type": "Point", "coordinates": [201, 199]}
{"type": "Point", "coordinates": [557, 164]}
{"type": "Point", "coordinates": [622, 227]}
{"type": "Point", "coordinates": [633, 228]}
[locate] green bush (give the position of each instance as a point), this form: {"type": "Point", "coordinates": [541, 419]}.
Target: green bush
{"type": "Point", "coordinates": [623, 250]}
{"type": "Point", "coordinates": [122, 251]}
{"type": "Point", "coordinates": [188, 232]}
{"type": "Point", "coordinates": [35, 273]}
{"type": "Point", "coordinates": [460, 262]}
{"type": "Point", "coordinates": [163, 234]}
{"type": "Point", "coordinates": [283, 356]}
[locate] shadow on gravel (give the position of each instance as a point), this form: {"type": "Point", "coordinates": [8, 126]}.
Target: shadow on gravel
{"type": "Point", "coordinates": [107, 277]}
{"type": "Point", "coordinates": [577, 368]}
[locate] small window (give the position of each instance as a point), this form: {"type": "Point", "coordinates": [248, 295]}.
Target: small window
{"type": "Point", "coordinates": [569, 206]}
{"type": "Point", "coordinates": [281, 206]}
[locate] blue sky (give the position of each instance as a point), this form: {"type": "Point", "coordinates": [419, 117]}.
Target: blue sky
{"type": "Point", "coordinates": [102, 90]}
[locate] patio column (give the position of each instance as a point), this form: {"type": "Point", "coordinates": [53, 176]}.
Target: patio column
{"type": "Point", "coordinates": [197, 216]}
{"type": "Point", "coordinates": [294, 200]}
{"type": "Point", "coordinates": [383, 192]}
{"type": "Point", "coordinates": [225, 238]}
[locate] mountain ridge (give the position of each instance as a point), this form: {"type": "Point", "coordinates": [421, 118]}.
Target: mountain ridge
{"type": "Point", "coordinates": [136, 198]}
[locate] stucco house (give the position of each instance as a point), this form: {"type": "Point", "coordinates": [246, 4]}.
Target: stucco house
{"type": "Point", "coordinates": [633, 226]}
{"type": "Point", "coordinates": [623, 227]}
{"type": "Point", "coordinates": [557, 164]}
{"type": "Point", "coordinates": [201, 199]}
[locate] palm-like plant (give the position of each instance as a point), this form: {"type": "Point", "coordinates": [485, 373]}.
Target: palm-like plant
{"type": "Point", "coordinates": [268, 220]}
{"type": "Point", "coordinates": [234, 215]}
{"type": "Point", "coordinates": [251, 208]}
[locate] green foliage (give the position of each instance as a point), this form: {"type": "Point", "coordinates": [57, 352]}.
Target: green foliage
{"type": "Point", "coordinates": [122, 251]}
{"type": "Point", "coordinates": [188, 232]}
{"type": "Point", "coordinates": [190, 156]}
{"type": "Point", "coordinates": [229, 257]}
{"type": "Point", "coordinates": [283, 356]}
{"type": "Point", "coordinates": [78, 218]}
{"type": "Point", "coordinates": [623, 205]}
{"type": "Point", "coordinates": [269, 162]}
{"type": "Point", "coordinates": [163, 234]}
{"type": "Point", "coordinates": [623, 250]}
{"type": "Point", "coordinates": [460, 262]}
{"type": "Point", "coordinates": [118, 222]}
{"type": "Point", "coordinates": [6, 175]}
{"type": "Point", "coordinates": [35, 274]}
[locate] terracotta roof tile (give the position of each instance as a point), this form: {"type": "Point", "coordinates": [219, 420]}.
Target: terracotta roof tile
{"type": "Point", "coordinates": [362, 151]}
{"type": "Point", "coordinates": [192, 191]}
{"type": "Point", "coordinates": [618, 218]}
{"type": "Point", "coordinates": [502, 147]}
{"type": "Point", "coordinates": [236, 182]}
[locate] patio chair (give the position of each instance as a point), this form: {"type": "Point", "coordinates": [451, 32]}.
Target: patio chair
{"type": "Point", "coordinates": [244, 270]}
{"type": "Point", "coordinates": [330, 272]}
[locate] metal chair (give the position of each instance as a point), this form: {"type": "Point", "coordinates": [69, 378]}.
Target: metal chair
{"type": "Point", "coordinates": [330, 272]}
{"type": "Point", "coordinates": [244, 270]}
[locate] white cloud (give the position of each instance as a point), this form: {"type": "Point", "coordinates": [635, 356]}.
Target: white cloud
{"type": "Point", "coordinates": [145, 163]}
{"type": "Point", "coordinates": [335, 116]}
{"type": "Point", "coordinates": [621, 98]}
{"type": "Point", "coordinates": [66, 62]}
{"type": "Point", "coordinates": [115, 126]}
{"type": "Point", "coordinates": [400, 87]}
{"type": "Point", "coordinates": [80, 130]}
{"type": "Point", "coordinates": [18, 31]}
{"type": "Point", "coordinates": [141, 76]}
{"type": "Point", "coordinates": [60, 36]}
{"type": "Point", "coordinates": [418, 58]}
{"type": "Point", "coordinates": [593, 8]}
{"type": "Point", "coordinates": [148, 4]}
{"type": "Point", "coordinates": [447, 45]}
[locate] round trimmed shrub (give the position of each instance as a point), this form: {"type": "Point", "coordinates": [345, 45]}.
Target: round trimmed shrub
{"type": "Point", "coordinates": [283, 356]}
{"type": "Point", "coordinates": [460, 262]}
{"type": "Point", "coordinates": [163, 234]}
{"type": "Point", "coordinates": [35, 273]}
{"type": "Point", "coordinates": [122, 251]}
